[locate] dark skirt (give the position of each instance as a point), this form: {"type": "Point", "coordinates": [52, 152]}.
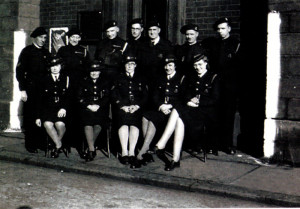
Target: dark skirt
{"type": "Point", "coordinates": [129, 119]}
{"type": "Point", "coordinates": [158, 118]}
{"type": "Point", "coordinates": [89, 118]}
{"type": "Point", "coordinates": [50, 114]}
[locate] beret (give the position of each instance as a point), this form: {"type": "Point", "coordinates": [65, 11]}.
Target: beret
{"type": "Point", "coordinates": [109, 24]}
{"type": "Point", "coordinates": [38, 32]}
{"type": "Point", "coordinates": [152, 23]}
{"type": "Point", "coordinates": [55, 60]}
{"type": "Point", "coordinates": [73, 31]}
{"type": "Point", "coordinates": [188, 27]}
{"type": "Point", "coordinates": [96, 65]}
{"type": "Point", "coordinates": [220, 21]}
{"type": "Point", "coordinates": [136, 21]}
{"type": "Point", "coordinates": [169, 58]}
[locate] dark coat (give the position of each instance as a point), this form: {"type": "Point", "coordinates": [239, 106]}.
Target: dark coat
{"type": "Point", "coordinates": [129, 91]}
{"type": "Point", "coordinates": [91, 93]}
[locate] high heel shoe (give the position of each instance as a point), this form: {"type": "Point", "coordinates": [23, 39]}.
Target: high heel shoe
{"type": "Point", "coordinates": [172, 165]}
{"type": "Point", "coordinates": [124, 160]}
{"type": "Point", "coordinates": [161, 155]}
{"type": "Point", "coordinates": [134, 162]}
{"type": "Point", "coordinates": [147, 158]}
{"type": "Point", "coordinates": [90, 156]}
{"type": "Point", "coordinates": [55, 152]}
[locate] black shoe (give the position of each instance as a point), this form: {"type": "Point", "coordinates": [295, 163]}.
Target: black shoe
{"type": "Point", "coordinates": [161, 155]}
{"type": "Point", "coordinates": [172, 165]}
{"type": "Point", "coordinates": [90, 156]}
{"type": "Point", "coordinates": [32, 150]}
{"type": "Point", "coordinates": [147, 158]}
{"type": "Point", "coordinates": [230, 151]}
{"type": "Point", "coordinates": [124, 160]}
{"type": "Point", "coordinates": [55, 153]}
{"type": "Point", "coordinates": [134, 162]}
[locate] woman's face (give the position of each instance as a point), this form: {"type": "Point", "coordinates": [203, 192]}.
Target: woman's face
{"type": "Point", "coordinates": [130, 67]}
{"type": "Point", "coordinates": [95, 74]}
{"type": "Point", "coordinates": [170, 68]}
{"type": "Point", "coordinates": [200, 66]}
{"type": "Point", "coordinates": [55, 69]}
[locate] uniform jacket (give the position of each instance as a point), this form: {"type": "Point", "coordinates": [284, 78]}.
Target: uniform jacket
{"type": "Point", "coordinates": [129, 91]}
{"type": "Point", "coordinates": [91, 93]}
{"type": "Point", "coordinates": [54, 94]}
{"type": "Point", "coordinates": [76, 59]}
{"type": "Point", "coordinates": [111, 51]}
{"type": "Point", "coordinates": [31, 66]}
{"type": "Point", "coordinates": [168, 91]}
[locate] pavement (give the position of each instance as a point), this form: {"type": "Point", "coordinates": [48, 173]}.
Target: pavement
{"type": "Point", "coordinates": [240, 176]}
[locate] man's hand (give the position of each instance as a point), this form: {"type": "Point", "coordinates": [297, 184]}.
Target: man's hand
{"type": "Point", "coordinates": [24, 96]}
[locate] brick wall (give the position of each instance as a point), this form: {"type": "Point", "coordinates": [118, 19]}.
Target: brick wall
{"type": "Point", "coordinates": [205, 12]}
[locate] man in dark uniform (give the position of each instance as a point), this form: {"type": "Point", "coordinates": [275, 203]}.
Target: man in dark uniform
{"type": "Point", "coordinates": [30, 68]}
{"type": "Point", "coordinates": [136, 38]}
{"type": "Point", "coordinates": [153, 52]}
{"type": "Point", "coordinates": [191, 47]}
{"type": "Point", "coordinates": [76, 57]}
{"type": "Point", "coordinates": [225, 60]}
{"type": "Point", "coordinates": [111, 49]}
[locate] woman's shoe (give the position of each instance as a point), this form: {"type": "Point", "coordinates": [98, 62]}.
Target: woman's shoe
{"type": "Point", "coordinates": [134, 162]}
{"type": "Point", "coordinates": [90, 156]}
{"type": "Point", "coordinates": [147, 158]}
{"type": "Point", "coordinates": [172, 165]}
{"type": "Point", "coordinates": [55, 153]}
{"type": "Point", "coordinates": [124, 160]}
{"type": "Point", "coordinates": [161, 155]}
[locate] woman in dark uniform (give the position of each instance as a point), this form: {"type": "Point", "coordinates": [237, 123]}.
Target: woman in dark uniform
{"type": "Point", "coordinates": [129, 96]}
{"type": "Point", "coordinates": [202, 98]}
{"type": "Point", "coordinates": [93, 97]}
{"type": "Point", "coordinates": [167, 94]}
{"type": "Point", "coordinates": [53, 105]}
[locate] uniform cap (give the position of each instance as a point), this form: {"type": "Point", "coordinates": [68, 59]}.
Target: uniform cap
{"type": "Point", "coordinates": [136, 21]}
{"type": "Point", "coordinates": [199, 57]}
{"type": "Point", "coordinates": [129, 58]}
{"type": "Point", "coordinates": [189, 27]}
{"type": "Point", "coordinates": [152, 23]}
{"type": "Point", "coordinates": [55, 60]}
{"type": "Point", "coordinates": [109, 24]}
{"type": "Point", "coordinates": [38, 32]}
{"type": "Point", "coordinates": [169, 58]}
{"type": "Point", "coordinates": [74, 31]}
{"type": "Point", "coordinates": [220, 21]}
{"type": "Point", "coordinates": [96, 65]}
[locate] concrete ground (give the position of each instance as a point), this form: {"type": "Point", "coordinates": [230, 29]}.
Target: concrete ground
{"type": "Point", "coordinates": [240, 176]}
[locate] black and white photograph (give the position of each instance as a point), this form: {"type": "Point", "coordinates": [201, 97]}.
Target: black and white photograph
{"type": "Point", "coordinates": [149, 104]}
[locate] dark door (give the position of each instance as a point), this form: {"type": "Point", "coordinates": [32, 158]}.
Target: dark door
{"type": "Point", "coordinates": [156, 9]}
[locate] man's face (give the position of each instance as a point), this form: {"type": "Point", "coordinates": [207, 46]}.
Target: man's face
{"type": "Point", "coordinates": [224, 30]}
{"type": "Point", "coordinates": [191, 36]}
{"type": "Point", "coordinates": [74, 39]}
{"type": "Point", "coordinates": [40, 40]}
{"type": "Point", "coordinates": [153, 32]}
{"type": "Point", "coordinates": [136, 30]}
{"type": "Point", "coordinates": [130, 67]}
{"type": "Point", "coordinates": [112, 32]}
{"type": "Point", "coordinates": [55, 69]}
{"type": "Point", "coordinates": [95, 74]}
{"type": "Point", "coordinates": [170, 68]}
{"type": "Point", "coordinates": [200, 66]}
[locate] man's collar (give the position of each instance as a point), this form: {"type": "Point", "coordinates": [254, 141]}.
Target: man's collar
{"type": "Point", "coordinates": [39, 47]}
{"type": "Point", "coordinates": [156, 40]}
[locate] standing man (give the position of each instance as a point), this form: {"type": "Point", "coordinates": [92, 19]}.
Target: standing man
{"type": "Point", "coordinates": [136, 38]}
{"type": "Point", "coordinates": [225, 56]}
{"type": "Point", "coordinates": [111, 49]}
{"type": "Point", "coordinates": [153, 52]}
{"type": "Point", "coordinates": [32, 65]}
{"type": "Point", "coordinates": [191, 47]}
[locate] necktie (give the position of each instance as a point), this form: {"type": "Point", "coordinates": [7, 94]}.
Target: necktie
{"type": "Point", "coordinates": [55, 78]}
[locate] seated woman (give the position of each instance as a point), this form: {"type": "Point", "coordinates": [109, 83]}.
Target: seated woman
{"type": "Point", "coordinates": [129, 96]}
{"type": "Point", "coordinates": [167, 94]}
{"type": "Point", "coordinates": [202, 97]}
{"type": "Point", "coordinates": [93, 96]}
{"type": "Point", "coordinates": [53, 105]}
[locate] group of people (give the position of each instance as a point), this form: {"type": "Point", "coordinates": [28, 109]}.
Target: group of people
{"type": "Point", "coordinates": [146, 89]}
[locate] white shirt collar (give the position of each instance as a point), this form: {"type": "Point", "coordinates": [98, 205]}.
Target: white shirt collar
{"type": "Point", "coordinates": [155, 41]}
{"type": "Point", "coordinates": [171, 75]}
{"type": "Point", "coordinates": [36, 45]}
{"type": "Point", "coordinates": [202, 74]}
{"type": "Point", "coordinates": [55, 76]}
